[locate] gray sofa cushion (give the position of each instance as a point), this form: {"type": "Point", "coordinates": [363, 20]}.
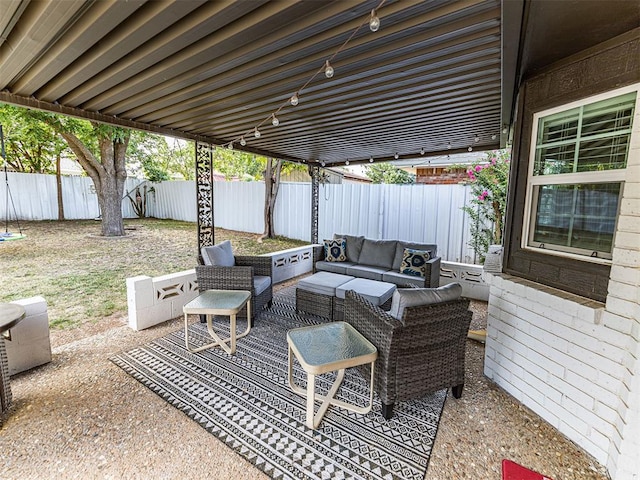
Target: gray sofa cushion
{"type": "Point", "coordinates": [323, 282]}
{"type": "Point", "coordinates": [378, 253]}
{"type": "Point", "coordinates": [354, 246]}
{"type": "Point", "coordinates": [261, 283]}
{"type": "Point", "coordinates": [220, 254]}
{"type": "Point", "coordinates": [334, 267]}
{"type": "Point", "coordinates": [413, 297]}
{"type": "Point", "coordinates": [375, 292]}
{"type": "Point", "coordinates": [401, 279]}
{"type": "Point", "coordinates": [366, 271]}
{"type": "Point", "coordinates": [401, 245]}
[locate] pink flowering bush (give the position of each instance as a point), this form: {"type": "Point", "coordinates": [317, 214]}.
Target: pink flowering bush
{"type": "Point", "coordinates": [489, 180]}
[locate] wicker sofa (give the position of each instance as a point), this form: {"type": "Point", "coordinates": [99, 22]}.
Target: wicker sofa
{"type": "Point", "coordinates": [379, 260]}
{"type": "Point", "coordinates": [421, 351]}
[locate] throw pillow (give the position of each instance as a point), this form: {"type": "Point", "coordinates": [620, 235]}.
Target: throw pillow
{"type": "Point", "coordinates": [414, 262]}
{"type": "Point", "coordinates": [413, 297]}
{"type": "Point", "coordinates": [335, 250]}
{"type": "Point", "coordinates": [220, 255]}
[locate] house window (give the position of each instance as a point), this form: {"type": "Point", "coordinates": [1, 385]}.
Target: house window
{"type": "Point", "coordinates": [579, 155]}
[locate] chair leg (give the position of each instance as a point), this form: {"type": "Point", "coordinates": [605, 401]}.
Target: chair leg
{"type": "Point", "coordinates": [457, 390]}
{"type": "Point", "coordinates": [387, 410]}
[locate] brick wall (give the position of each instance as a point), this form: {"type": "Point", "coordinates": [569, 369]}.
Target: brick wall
{"type": "Point", "coordinates": [574, 361]}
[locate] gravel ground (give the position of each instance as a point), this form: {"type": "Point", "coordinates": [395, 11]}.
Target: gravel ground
{"type": "Point", "coordinates": [82, 417]}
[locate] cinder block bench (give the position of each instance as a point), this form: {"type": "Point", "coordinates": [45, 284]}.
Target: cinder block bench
{"type": "Point", "coordinates": [30, 344]}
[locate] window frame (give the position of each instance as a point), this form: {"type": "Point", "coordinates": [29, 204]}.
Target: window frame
{"type": "Point", "coordinates": [591, 177]}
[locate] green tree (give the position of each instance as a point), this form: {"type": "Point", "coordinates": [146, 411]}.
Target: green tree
{"type": "Point", "coordinates": [387, 173]}
{"type": "Point", "coordinates": [30, 146]}
{"type": "Point", "coordinates": [488, 179]}
{"type": "Point", "coordinates": [101, 151]}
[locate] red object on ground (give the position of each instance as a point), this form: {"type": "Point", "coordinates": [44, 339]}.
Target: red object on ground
{"type": "Point", "coordinates": [513, 471]}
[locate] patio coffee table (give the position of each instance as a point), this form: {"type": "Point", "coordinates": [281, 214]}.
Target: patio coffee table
{"type": "Point", "coordinates": [326, 348]}
{"type": "Point", "coordinates": [218, 302]}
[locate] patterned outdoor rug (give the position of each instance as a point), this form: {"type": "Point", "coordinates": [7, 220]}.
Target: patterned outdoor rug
{"type": "Point", "coordinates": [246, 402]}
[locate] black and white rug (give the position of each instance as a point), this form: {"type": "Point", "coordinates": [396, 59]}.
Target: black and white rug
{"type": "Point", "coordinates": [246, 402]}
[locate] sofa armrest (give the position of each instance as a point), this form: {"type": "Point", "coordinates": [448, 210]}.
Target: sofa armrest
{"type": "Point", "coordinates": [261, 265]}
{"type": "Point", "coordinates": [432, 277]}
{"type": "Point", "coordinates": [211, 277]}
{"type": "Point", "coordinates": [318, 254]}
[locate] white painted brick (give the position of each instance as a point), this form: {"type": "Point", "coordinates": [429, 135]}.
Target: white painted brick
{"type": "Point", "coordinates": [575, 365]}
{"type": "Point", "coordinates": [627, 241]}
{"type": "Point", "coordinates": [617, 323]}
{"type": "Point", "coordinates": [553, 341]}
{"type": "Point", "coordinates": [550, 364]}
{"type": "Point", "coordinates": [623, 291]}
{"type": "Point", "coordinates": [624, 274]}
{"type": "Point", "coordinates": [601, 363]}
{"type": "Point", "coordinates": [627, 258]}
{"type": "Point", "coordinates": [606, 413]}
{"type": "Point", "coordinates": [628, 224]}
{"type": "Point", "coordinates": [630, 206]}
{"type": "Point", "coordinates": [578, 396]}
{"type": "Point", "coordinates": [624, 308]}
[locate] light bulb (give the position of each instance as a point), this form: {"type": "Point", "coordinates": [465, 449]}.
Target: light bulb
{"type": "Point", "coordinates": [274, 120]}
{"type": "Point", "coordinates": [347, 162]}
{"type": "Point", "coordinates": [422, 151]}
{"type": "Point", "coordinates": [476, 139]}
{"type": "Point", "coordinates": [505, 130]}
{"type": "Point", "coordinates": [243, 142]}
{"type": "Point", "coordinates": [396, 156]}
{"type": "Point", "coordinates": [470, 149]}
{"type": "Point", "coordinates": [256, 133]}
{"type": "Point", "coordinates": [374, 22]}
{"type": "Point", "coordinates": [449, 145]}
{"type": "Point", "coordinates": [322, 164]}
{"type": "Point", "coordinates": [230, 145]}
{"type": "Point", "coordinates": [328, 70]}
{"type": "Point", "coordinates": [294, 99]}
{"type": "Point", "coordinates": [493, 137]}
{"type": "Point", "coordinates": [370, 159]}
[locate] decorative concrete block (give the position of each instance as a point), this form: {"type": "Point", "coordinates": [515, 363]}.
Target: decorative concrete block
{"type": "Point", "coordinates": [30, 344]}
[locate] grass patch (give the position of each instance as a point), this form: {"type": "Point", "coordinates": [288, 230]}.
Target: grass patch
{"type": "Point", "coordinates": [82, 276]}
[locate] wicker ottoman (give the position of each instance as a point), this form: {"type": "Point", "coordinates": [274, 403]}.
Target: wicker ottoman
{"type": "Point", "coordinates": [378, 293]}
{"type": "Point", "coordinates": [315, 294]}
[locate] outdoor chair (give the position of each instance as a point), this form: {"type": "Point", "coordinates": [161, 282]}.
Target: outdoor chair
{"type": "Point", "coordinates": [420, 353]}
{"type": "Point", "coordinates": [224, 271]}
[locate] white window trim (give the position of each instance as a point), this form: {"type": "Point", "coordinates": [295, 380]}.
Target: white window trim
{"type": "Point", "coordinates": [606, 176]}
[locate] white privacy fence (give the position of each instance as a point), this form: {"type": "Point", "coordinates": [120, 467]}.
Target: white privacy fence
{"type": "Point", "coordinates": [421, 213]}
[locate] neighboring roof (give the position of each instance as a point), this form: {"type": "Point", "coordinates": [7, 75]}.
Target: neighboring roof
{"type": "Point", "coordinates": [440, 161]}
{"type": "Point", "coordinates": [436, 73]}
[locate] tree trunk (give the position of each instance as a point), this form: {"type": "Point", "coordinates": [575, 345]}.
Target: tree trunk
{"type": "Point", "coordinates": [59, 185]}
{"type": "Point", "coordinates": [108, 177]}
{"type": "Point", "coordinates": [271, 186]}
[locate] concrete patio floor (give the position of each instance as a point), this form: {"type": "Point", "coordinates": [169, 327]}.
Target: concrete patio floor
{"type": "Point", "coordinates": [82, 417]}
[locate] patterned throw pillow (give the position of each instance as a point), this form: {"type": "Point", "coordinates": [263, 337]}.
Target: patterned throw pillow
{"type": "Point", "coordinates": [414, 262]}
{"type": "Point", "coordinates": [335, 250]}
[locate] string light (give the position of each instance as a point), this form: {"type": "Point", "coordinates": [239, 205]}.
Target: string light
{"type": "Point", "coordinates": [328, 70]}
{"type": "Point", "coordinates": [476, 139]}
{"type": "Point", "coordinates": [374, 22]}
{"type": "Point", "coordinates": [294, 100]}
{"type": "Point", "coordinates": [322, 164]}
{"type": "Point", "coordinates": [449, 146]}
{"type": "Point", "coordinates": [370, 159]}
{"type": "Point", "coordinates": [493, 137]}
{"type": "Point", "coordinates": [396, 156]}
{"type": "Point", "coordinates": [347, 162]}
{"type": "Point", "coordinates": [422, 151]}
{"type": "Point", "coordinates": [470, 149]}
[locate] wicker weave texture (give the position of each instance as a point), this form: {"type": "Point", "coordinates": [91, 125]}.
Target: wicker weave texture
{"type": "Point", "coordinates": [238, 277]}
{"type": "Point", "coordinates": [314, 303]}
{"type": "Point", "coordinates": [423, 353]}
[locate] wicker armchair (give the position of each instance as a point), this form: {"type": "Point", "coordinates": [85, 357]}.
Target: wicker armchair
{"type": "Point", "coordinates": [239, 277]}
{"type": "Point", "coordinates": [423, 353]}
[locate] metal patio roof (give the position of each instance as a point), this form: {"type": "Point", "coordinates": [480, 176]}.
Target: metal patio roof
{"type": "Point", "coordinates": [437, 77]}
